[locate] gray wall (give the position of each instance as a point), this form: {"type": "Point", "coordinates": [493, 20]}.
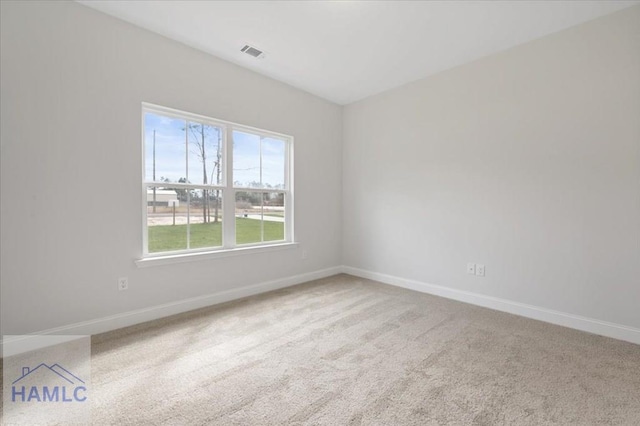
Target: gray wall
{"type": "Point", "coordinates": [73, 81]}
{"type": "Point", "coordinates": [527, 161]}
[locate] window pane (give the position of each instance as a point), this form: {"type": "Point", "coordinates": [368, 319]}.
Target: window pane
{"type": "Point", "coordinates": [273, 216]}
{"type": "Point", "coordinates": [166, 219]}
{"type": "Point", "coordinates": [246, 160]}
{"type": "Point", "coordinates": [205, 211]}
{"type": "Point", "coordinates": [248, 217]}
{"type": "Point", "coordinates": [165, 150]}
{"type": "Point", "coordinates": [273, 161]}
{"type": "Point", "coordinates": [205, 154]}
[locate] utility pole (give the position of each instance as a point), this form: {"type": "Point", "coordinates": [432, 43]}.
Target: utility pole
{"type": "Point", "coordinates": [218, 171]}
{"type": "Point", "coordinates": [206, 214]}
{"type": "Point", "coordinates": [154, 169]}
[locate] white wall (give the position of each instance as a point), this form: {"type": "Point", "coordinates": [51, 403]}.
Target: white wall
{"type": "Point", "coordinates": [527, 161]}
{"type": "Point", "coordinates": [72, 84]}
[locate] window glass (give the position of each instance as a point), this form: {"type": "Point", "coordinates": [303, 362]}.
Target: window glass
{"type": "Point", "coordinates": [246, 160]}
{"type": "Point", "coordinates": [165, 154]}
{"type": "Point", "coordinates": [273, 163]}
{"type": "Point", "coordinates": [205, 154]}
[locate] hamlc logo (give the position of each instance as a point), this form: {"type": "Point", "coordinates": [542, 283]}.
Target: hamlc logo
{"type": "Point", "coordinates": [48, 383]}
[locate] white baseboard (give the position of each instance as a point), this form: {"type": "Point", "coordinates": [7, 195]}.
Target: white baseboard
{"type": "Point", "coordinates": [25, 343]}
{"type": "Point", "coordinates": [603, 328]}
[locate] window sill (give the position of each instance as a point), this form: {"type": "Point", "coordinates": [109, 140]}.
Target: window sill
{"type": "Point", "coordinates": [207, 255]}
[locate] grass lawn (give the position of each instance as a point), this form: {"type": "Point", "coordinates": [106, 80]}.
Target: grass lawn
{"type": "Point", "coordinates": [174, 237]}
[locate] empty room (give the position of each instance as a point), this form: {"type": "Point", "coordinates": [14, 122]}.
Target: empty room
{"type": "Point", "coordinates": [320, 212]}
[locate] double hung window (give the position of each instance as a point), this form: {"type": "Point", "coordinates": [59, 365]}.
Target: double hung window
{"type": "Point", "coordinates": [212, 185]}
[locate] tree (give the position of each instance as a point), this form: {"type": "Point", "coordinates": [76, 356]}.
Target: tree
{"type": "Point", "coordinates": [251, 198]}
{"type": "Point", "coordinates": [182, 193]}
{"type": "Point", "coordinates": [202, 142]}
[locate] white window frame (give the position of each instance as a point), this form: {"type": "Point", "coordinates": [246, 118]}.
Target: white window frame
{"type": "Point", "coordinates": [229, 247]}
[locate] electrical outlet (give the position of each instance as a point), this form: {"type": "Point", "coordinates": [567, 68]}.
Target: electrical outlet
{"type": "Point", "coordinates": [471, 268]}
{"type": "Point", "coordinates": [480, 270]}
{"type": "Point", "coordinates": [123, 283]}
{"type": "Point", "coordinates": [303, 254]}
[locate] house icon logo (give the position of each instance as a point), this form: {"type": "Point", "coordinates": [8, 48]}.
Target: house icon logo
{"type": "Point", "coordinates": [48, 383]}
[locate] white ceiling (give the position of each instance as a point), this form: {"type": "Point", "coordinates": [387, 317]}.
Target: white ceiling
{"type": "Point", "coordinates": [344, 51]}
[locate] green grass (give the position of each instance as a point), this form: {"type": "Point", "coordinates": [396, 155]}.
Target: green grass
{"type": "Point", "coordinates": [174, 237]}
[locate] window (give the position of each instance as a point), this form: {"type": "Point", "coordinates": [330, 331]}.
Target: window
{"type": "Point", "coordinates": [212, 185]}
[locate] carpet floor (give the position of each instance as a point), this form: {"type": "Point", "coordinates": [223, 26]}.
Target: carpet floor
{"type": "Point", "coordinates": [349, 351]}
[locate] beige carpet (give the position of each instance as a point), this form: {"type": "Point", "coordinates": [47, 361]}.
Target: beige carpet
{"type": "Point", "coordinates": [348, 351]}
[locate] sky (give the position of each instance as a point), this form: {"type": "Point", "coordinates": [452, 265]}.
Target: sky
{"type": "Point", "coordinates": [172, 154]}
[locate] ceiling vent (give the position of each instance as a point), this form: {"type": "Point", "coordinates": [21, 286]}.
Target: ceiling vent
{"type": "Point", "coordinates": [252, 51]}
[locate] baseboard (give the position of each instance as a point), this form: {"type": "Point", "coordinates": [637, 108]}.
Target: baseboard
{"type": "Point", "coordinates": [590, 325]}
{"type": "Point", "coordinates": [33, 341]}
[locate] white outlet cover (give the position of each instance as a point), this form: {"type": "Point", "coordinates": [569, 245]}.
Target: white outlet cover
{"type": "Point", "coordinates": [480, 270]}
{"type": "Point", "coordinates": [471, 268]}
{"type": "Point", "coordinates": [123, 283]}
